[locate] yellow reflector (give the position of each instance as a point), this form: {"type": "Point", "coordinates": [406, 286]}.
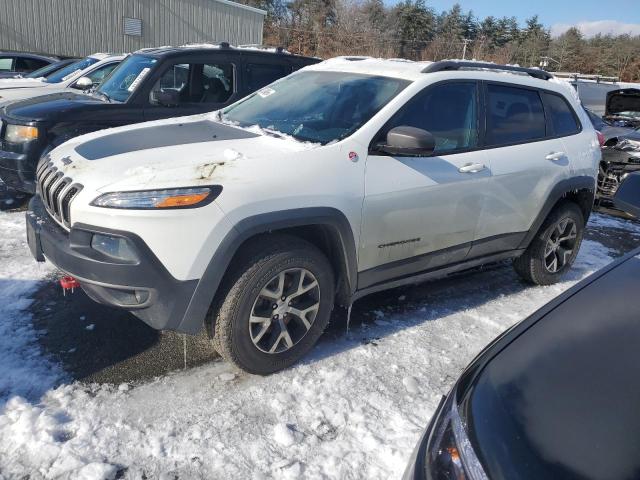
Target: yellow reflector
{"type": "Point", "coordinates": [182, 200]}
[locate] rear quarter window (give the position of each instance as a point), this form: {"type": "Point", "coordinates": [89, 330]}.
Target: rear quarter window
{"type": "Point", "coordinates": [6, 64]}
{"type": "Point", "coordinates": [514, 115]}
{"type": "Point", "coordinates": [259, 75]}
{"type": "Point", "coordinates": [562, 119]}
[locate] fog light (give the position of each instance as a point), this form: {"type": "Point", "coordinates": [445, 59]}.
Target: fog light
{"type": "Point", "coordinates": [114, 247]}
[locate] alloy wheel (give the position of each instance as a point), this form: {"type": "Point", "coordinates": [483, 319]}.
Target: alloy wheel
{"type": "Point", "coordinates": [560, 245]}
{"type": "Point", "coordinates": [284, 310]}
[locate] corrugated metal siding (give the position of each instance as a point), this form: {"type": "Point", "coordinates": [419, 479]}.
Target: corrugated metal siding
{"type": "Point", "coordinates": [82, 27]}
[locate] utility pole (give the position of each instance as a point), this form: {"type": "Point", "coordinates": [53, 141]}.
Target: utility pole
{"type": "Point", "coordinates": [465, 42]}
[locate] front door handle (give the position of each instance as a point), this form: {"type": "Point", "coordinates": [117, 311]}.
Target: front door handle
{"type": "Point", "coordinates": [555, 156]}
{"type": "Point", "coordinates": [472, 168]}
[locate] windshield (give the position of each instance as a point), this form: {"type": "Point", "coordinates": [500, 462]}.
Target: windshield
{"type": "Point", "coordinates": [126, 77]}
{"type": "Point", "coordinates": [70, 70]}
{"type": "Point", "coordinates": [316, 106]}
{"type": "Point", "coordinates": [44, 71]}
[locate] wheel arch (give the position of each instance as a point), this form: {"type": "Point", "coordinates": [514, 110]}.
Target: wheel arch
{"type": "Point", "coordinates": [579, 190]}
{"type": "Point", "coordinates": [325, 227]}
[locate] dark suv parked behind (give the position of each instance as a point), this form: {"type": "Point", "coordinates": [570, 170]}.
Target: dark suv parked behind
{"type": "Point", "coordinates": [148, 85]}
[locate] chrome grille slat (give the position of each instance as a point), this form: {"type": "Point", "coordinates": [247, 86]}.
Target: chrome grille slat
{"type": "Point", "coordinates": [55, 195]}
{"type": "Point", "coordinates": [56, 192]}
{"type": "Point", "coordinates": [51, 186]}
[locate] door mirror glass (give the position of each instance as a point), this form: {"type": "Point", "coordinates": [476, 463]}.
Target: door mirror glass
{"type": "Point", "coordinates": [627, 198]}
{"type": "Point", "coordinates": [83, 83]}
{"type": "Point", "coordinates": [409, 142]}
{"type": "Point", "coordinates": [166, 98]}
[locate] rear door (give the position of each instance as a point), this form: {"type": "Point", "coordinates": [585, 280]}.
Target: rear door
{"type": "Point", "coordinates": [422, 212]}
{"type": "Point", "coordinates": [204, 84]}
{"type": "Point", "coordinates": [563, 123]}
{"type": "Point", "coordinates": [526, 160]}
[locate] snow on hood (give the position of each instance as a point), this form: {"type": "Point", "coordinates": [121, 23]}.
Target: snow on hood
{"type": "Point", "coordinates": [184, 151]}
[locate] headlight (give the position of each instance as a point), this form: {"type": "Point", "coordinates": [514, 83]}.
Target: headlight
{"type": "Point", "coordinates": [159, 199]}
{"type": "Point", "coordinates": [20, 133]}
{"type": "Point", "coordinates": [115, 247]}
{"type": "Point", "coordinates": [450, 455]}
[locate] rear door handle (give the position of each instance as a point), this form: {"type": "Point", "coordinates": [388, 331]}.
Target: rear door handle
{"type": "Point", "coordinates": [555, 156]}
{"type": "Point", "coordinates": [472, 168]}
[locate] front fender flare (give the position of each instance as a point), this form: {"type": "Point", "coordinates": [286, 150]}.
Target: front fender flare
{"type": "Point", "coordinates": [268, 222]}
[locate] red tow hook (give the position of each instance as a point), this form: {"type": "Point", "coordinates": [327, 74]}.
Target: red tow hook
{"type": "Point", "coordinates": [69, 283]}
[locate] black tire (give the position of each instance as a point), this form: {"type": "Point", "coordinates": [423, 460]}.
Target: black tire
{"type": "Point", "coordinates": [532, 264]}
{"type": "Point", "coordinates": [261, 261]}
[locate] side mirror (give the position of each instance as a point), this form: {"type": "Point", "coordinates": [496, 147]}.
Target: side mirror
{"type": "Point", "coordinates": [627, 198]}
{"type": "Point", "coordinates": [166, 98]}
{"type": "Point", "coordinates": [409, 142]}
{"type": "Point", "coordinates": [83, 83]}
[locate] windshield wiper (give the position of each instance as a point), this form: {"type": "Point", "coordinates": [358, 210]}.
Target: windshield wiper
{"type": "Point", "coordinates": [104, 95]}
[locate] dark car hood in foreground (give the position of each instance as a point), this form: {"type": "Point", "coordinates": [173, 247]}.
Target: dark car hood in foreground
{"type": "Point", "coordinates": [48, 107]}
{"type": "Point", "coordinates": [562, 400]}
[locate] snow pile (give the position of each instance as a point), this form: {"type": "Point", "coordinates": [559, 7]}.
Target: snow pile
{"type": "Point", "coordinates": [23, 370]}
{"type": "Point", "coordinates": [354, 408]}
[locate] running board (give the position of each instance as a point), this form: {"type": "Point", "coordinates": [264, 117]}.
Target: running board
{"type": "Point", "coordinates": [436, 273]}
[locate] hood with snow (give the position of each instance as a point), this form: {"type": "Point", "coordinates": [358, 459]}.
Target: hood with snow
{"type": "Point", "coordinates": [185, 151]}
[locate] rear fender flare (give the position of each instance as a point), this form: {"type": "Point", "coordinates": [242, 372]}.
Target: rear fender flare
{"type": "Point", "coordinates": [561, 189]}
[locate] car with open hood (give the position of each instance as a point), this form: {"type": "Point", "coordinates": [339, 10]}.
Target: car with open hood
{"type": "Point", "coordinates": [554, 397]}
{"type": "Point", "coordinates": [622, 107]}
{"type": "Point", "coordinates": [342, 179]}
{"type": "Point", "coordinates": [620, 130]}
{"type": "Point", "coordinates": [153, 83]}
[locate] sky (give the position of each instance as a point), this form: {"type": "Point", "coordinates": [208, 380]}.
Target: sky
{"type": "Point", "coordinates": [591, 16]}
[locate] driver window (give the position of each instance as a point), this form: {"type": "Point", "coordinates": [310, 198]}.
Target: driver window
{"type": "Point", "coordinates": [448, 111]}
{"type": "Point", "coordinates": [197, 83]}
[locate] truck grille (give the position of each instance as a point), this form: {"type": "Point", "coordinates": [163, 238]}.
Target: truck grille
{"type": "Point", "coordinates": [56, 192]}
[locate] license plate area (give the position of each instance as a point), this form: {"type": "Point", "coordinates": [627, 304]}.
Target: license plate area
{"type": "Point", "coordinates": [33, 239]}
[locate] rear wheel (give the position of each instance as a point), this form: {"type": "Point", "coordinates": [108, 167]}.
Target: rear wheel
{"type": "Point", "coordinates": [276, 303]}
{"type": "Point", "coordinates": [554, 249]}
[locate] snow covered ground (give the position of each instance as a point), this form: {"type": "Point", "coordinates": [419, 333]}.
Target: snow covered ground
{"type": "Point", "coordinates": [353, 409]}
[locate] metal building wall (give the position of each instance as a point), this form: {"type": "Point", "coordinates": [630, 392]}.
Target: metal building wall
{"type": "Point", "coordinates": [81, 27]}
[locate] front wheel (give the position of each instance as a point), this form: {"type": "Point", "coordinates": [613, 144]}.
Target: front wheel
{"type": "Point", "coordinates": [554, 249]}
{"type": "Point", "coordinates": [277, 303]}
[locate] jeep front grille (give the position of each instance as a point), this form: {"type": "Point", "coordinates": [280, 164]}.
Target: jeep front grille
{"type": "Point", "coordinates": [56, 192]}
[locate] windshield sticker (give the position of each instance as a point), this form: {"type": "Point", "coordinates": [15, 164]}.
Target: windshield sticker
{"type": "Point", "coordinates": [139, 78]}
{"type": "Point", "coordinates": [266, 91]}
{"type": "Point", "coordinates": [70, 75]}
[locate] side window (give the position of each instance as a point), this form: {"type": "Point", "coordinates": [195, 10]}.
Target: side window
{"type": "Point", "coordinates": [6, 64]}
{"type": "Point", "coordinates": [99, 74]}
{"type": "Point", "coordinates": [197, 82]}
{"type": "Point", "coordinates": [560, 114]}
{"type": "Point", "coordinates": [449, 111]}
{"type": "Point", "coordinates": [28, 64]}
{"type": "Point", "coordinates": [217, 82]}
{"type": "Point", "coordinates": [514, 115]}
{"type": "Point", "coordinates": [259, 75]}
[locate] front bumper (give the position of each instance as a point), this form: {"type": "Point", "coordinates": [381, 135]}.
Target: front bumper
{"type": "Point", "coordinates": [17, 170]}
{"type": "Point", "coordinates": [143, 287]}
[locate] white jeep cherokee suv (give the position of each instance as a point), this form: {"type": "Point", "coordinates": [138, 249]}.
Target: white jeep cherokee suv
{"type": "Point", "coordinates": [345, 178]}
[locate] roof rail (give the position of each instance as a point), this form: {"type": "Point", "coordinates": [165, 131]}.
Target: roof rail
{"type": "Point", "coordinates": [445, 65]}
